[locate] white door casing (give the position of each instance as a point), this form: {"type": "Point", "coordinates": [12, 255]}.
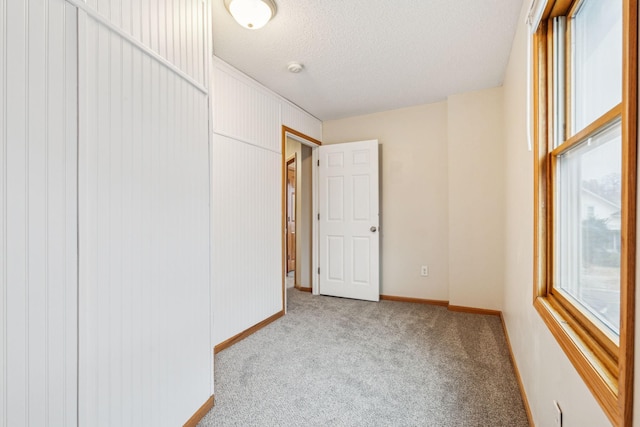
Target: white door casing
{"type": "Point", "coordinates": [349, 220]}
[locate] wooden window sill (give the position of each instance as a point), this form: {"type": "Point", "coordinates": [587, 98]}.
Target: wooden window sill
{"type": "Point", "coordinates": [598, 378]}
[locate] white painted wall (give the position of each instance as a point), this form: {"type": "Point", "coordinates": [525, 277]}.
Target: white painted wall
{"type": "Point", "coordinates": [38, 187]}
{"type": "Point", "coordinates": [246, 198]}
{"type": "Point", "coordinates": [413, 193]}
{"type": "Point", "coordinates": [476, 199]}
{"type": "Point", "coordinates": [546, 372]}
{"type": "Point", "coordinates": [145, 353]}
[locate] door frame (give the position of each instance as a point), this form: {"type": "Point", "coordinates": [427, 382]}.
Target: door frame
{"type": "Point", "coordinates": [314, 144]}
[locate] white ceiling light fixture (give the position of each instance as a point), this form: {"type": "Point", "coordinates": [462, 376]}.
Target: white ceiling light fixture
{"type": "Point", "coordinates": [251, 14]}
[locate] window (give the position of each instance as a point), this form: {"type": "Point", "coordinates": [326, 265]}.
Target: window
{"type": "Point", "coordinates": [585, 100]}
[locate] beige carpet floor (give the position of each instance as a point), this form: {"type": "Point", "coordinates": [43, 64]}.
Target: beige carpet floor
{"type": "Point", "coordinates": [340, 362]}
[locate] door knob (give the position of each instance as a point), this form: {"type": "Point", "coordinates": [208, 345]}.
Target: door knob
{"type": "Point", "coordinates": [373, 229]}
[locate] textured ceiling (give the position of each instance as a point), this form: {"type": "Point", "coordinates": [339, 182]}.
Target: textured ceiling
{"type": "Point", "coordinates": [365, 56]}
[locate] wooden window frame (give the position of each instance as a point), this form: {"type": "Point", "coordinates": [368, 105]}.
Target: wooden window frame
{"type": "Point", "coordinates": [606, 367]}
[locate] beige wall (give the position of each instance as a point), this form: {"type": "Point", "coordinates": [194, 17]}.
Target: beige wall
{"type": "Point", "coordinates": [546, 372]}
{"type": "Point", "coordinates": [441, 197]}
{"type": "Point", "coordinates": [413, 195]}
{"type": "Point", "coordinates": [476, 199]}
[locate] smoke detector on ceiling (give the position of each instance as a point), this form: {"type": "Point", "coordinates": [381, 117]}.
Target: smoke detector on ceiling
{"type": "Point", "coordinates": [295, 67]}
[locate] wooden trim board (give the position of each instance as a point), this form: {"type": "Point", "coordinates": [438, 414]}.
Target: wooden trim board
{"type": "Point", "coordinates": [242, 335]}
{"type": "Point", "coordinates": [286, 129]}
{"type": "Point", "coordinates": [303, 288]}
{"type": "Point", "coordinates": [523, 393]}
{"type": "Point", "coordinates": [200, 413]}
{"type": "Point", "coordinates": [458, 308]}
{"type": "Point", "coordinates": [473, 310]}
{"type": "Point", "coordinates": [415, 300]}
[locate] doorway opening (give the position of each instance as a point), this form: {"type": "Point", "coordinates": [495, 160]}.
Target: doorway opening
{"type": "Point", "coordinates": [292, 211]}
{"type": "Point", "coordinates": [298, 211]}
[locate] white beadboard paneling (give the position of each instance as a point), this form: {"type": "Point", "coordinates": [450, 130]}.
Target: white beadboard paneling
{"type": "Point", "coordinates": [246, 198]}
{"type": "Point", "coordinates": [244, 111]}
{"type": "Point", "coordinates": [246, 245]}
{"type": "Point", "coordinates": [145, 338]}
{"type": "Point", "coordinates": [298, 119]}
{"type": "Point", "coordinates": [38, 259]}
{"type": "Point", "coordinates": [173, 29]}
{"type": "Point", "coordinates": [135, 41]}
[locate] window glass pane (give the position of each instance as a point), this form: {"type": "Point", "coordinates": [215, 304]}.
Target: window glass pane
{"type": "Point", "coordinates": [587, 225]}
{"type": "Point", "coordinates": [597, 60]}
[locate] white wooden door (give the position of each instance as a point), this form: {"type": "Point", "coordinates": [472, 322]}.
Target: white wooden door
{"type": "Point", "coordinates": [349, 220]}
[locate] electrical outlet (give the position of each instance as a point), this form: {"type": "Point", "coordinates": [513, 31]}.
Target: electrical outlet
{"type": "Point", "coordinates": [557, 415]}
{"type": "Point", "coordinates": [424, 270]}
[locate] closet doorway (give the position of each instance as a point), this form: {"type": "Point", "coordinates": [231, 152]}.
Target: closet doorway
{"type": "Point", "coordinates": [298, 211]}
{"type": "Point", "coordinates": [291, 171]}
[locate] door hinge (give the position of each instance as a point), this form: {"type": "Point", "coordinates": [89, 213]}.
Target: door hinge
{"type": "Point", "coordinates": [318, 162]}
{"type": "Point", "coordinates": [318, 217]}
{"type": "Point", "coordinates": [318, 270]}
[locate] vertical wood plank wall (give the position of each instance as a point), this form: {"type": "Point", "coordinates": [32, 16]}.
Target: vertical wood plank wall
{"type": "Point", "coordinates": [145, 296]}
{"type": "Point", "coordinates": [38, 187]}
{"type": "Point", "coordinates": [246, 222]}
{"type": "Point", "coordinates": [172, 29]}
{"type": "Point", "coordinates": [246, 193]}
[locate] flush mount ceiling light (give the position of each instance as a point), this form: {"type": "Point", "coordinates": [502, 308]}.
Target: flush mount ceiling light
{"type": "Point", "coordinates": [251, 14]}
